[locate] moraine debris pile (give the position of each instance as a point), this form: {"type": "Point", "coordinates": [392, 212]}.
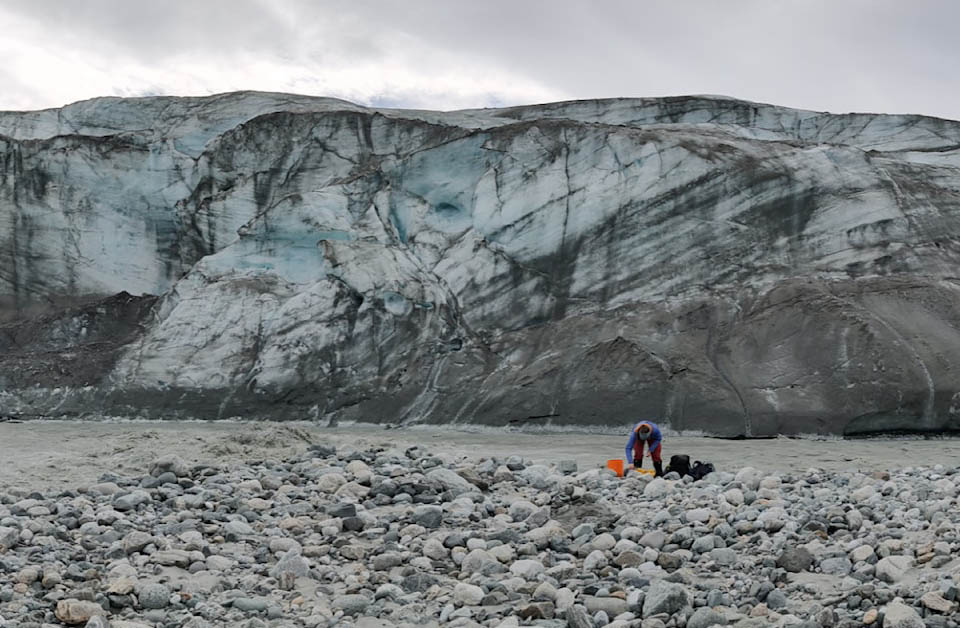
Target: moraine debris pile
{"type": "Point", "coordinates": [393, 537]}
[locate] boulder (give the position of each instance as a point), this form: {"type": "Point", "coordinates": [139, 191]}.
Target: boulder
{"type": "Point", "coordinates": [665, 597]}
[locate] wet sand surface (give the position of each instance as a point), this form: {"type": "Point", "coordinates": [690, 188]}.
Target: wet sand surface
{"type": "Point", "coordinates": [45, 454]}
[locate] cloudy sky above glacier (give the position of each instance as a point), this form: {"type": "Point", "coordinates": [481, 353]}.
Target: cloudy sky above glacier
{"type": "Point", "coordinates": [884, 56]}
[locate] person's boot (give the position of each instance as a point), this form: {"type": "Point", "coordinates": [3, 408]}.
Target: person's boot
{"type": "Point", "coordinates": [658, 469]}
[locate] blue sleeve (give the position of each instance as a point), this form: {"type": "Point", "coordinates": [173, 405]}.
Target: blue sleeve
{"type": "Point", "coordinates": [630, 443]}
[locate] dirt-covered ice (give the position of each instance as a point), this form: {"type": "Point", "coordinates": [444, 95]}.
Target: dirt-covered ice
{"type": "Point", "coordinates": [41, 454]}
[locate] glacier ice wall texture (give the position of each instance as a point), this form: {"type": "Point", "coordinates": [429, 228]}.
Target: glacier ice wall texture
{"type": "Point", "coordinates": [719, 265]}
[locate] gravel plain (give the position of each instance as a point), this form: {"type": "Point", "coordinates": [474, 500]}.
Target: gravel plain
{"type": "Point", "coordinates": [258, 524]}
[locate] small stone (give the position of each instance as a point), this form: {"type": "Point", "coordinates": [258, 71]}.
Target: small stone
{"type": "Point", "coordinates": [28, 575]}
{"type": "Point", "coordinates": [9, 537]}
{"type": "Point", "coordinates": [503, 553]}
{"type": "Point", "coordinates": [723, 556]}
{"type": "Point", "coordinates": [564, 599]}
{"type": "Point", "coordinates": [839, 566]}
{"type": "Point", "coordinates": [130, 501]}
{"type": "Point", "coordinates": [795, 560]}
{"type": "Point", "coordinates": [861, 554]}
{"type": "Point", "coordinates": [936, 602]}
{"type": "Point", "coordinates": [153, 595]}
{"type": "Point", "coordinates": [899, 615]}
{"type": "Point", "coordinates": [595, 560]}
{"type": "Point", "coordinates": [520, 509]}
{"type": "Point", "coordinates": [72, 611]}
{"type": "Point", "coordinates": [892, 568]}
{"type": "Point", "coordinates": [122, 586]}
{"type": "Point", "coordinates": [450, 481]}
{"type": "Point", "coordinates": [527, 569]}
{"type": "Point", "coordinates": [750, 478]}
{"type": "Point", "coordinates": [418, 582]}
{"type": "Point", "coordinates": [218, 563]}
{"type": "Point", "coordinates": [698, 515]}
{"type": "Point", "coordinates": [612, 606]}
{"type": "Point", "coordinates": [386, 561]}
{"type": "Point", "coordinates": [776, 600]}
{"type": "Point", "coordinates": [172, 558]}
{"type": "Point", "coordinates": [341, 511]}
{"type": "Point", "coordinates": [717, 598]}
{"type": "Point", "coordinates": [289, 568]}
{"type": "Point", "coordinates": [655, 539]}
{"type": "Point", "coordinates": [734, 497]}
{"type": "Point", "coordinates": [870, 616]}
{"type": "Point", "coordinates": [171, 463]}
{"type": "Point", "coordinates": [51, 579]}
{"type": "Point", "coordinates": [282, 545]}
{"type": "Point", "coordinates": [536, 610]}
{"type": "Point", "coordinates": [567, 467]}
{"type": "Point", "coordinates": [429, 517]}
{"type": "Point", "coordinates": [251, 604]}
{"type": "Point", "coordinates": [353, 524]}
{"type": "Point", "coordinates": [467, 594]}
{"type": "Point", "coordinates": [135, 541]}
{"type": "Point", "coordinates": [603, 542]}
{"type": "Point", "coordinates": [321, 450]}
{"type": "Point", "coordinates": [948, 590]}
{"type": "Point", "coordinates": [665, 597]}
{"type": "Point", "coordinates": [545, 592]}
{"type": "Point", "coordinates": [480, 561]}
{"type": "Point", "coordinates": [236, 530]}
{"type": "Point", "coordinates": [703, 544]}
{"type": "Point", "coordinates": [388, 591]}
{"type": "Point", "coordinates": [629, 559]}
{"type": "Point", "coordinates": [656, 488]}
{"type": "Point", "coordinates": [539, 517]}
{"type": "Point", "coordinates": [669, 561]}
{"type": "Point", "coordinates": [330, 482]}
{"type": "Point", "coordinates": [706, 617]}
{"type": "Point", "coordinates": [434, 550]}
{"type": "Point", "coordinates": [578, 617]}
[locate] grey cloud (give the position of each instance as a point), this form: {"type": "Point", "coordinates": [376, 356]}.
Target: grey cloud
{"type": "Point", "coordinates": [879, 55]}
{"type": "Point", "coordinates": [156, 30]}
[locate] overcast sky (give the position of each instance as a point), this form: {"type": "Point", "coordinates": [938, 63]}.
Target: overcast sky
{"type": "Point", "coordinates": [888, 56]}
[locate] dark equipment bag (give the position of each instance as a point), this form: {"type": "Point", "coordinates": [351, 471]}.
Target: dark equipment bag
{"type": "Point", "coordinates": [701, 469]}
{"type": "Point", "coordinates": [679, 463]}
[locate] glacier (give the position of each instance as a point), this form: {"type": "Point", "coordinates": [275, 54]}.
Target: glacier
{"type": "Point", "coordinates": [731, 267]}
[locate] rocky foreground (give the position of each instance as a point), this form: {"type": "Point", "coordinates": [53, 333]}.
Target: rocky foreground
{"type": "Point", "coordinates": [403, 537]}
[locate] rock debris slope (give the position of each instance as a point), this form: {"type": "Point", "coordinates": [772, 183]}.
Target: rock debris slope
{"type": "Point", "coordinates": [384, 537]}
{"type": "Point", "coordinates": [724, 266]}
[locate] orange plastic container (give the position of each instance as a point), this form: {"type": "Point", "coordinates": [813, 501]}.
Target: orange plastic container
{"type": "Point", "coordinates": [616, 466]}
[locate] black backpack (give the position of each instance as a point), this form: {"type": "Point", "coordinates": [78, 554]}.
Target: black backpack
{"type": "Point", "coordinates": [701, 469]}
{"type": "Point", "coordinates": [680, 463]}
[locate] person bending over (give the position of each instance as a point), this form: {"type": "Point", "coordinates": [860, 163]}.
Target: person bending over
{"type": "Point", "coordinates": [645, 432]}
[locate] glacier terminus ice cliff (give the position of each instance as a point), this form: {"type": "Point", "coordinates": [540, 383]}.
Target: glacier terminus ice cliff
{"type": "Point", "coordinates": [717, 265]}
